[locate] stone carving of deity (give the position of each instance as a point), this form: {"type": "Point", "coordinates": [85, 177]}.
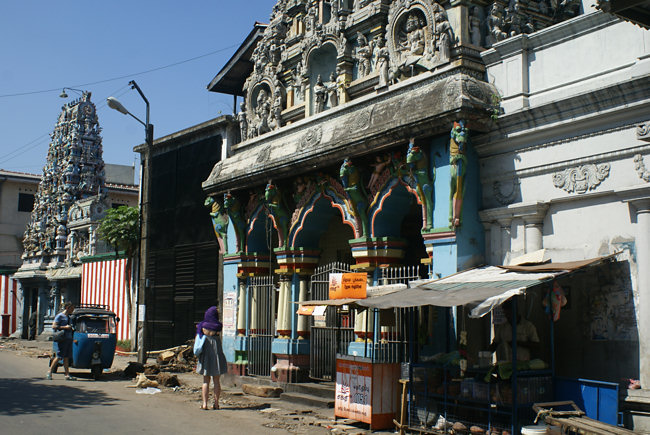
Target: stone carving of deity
{"type": "Point", "coordinates": [343, 45]}
{"type": "Point", "coordinates": [516, 20]}
{"type": "Point", "coordinates": [320, 95]}
{"type": "Point", "coordinates": [341, 86]}
{"type": "Point", "coordinates": [262, 110]}
{"type": "Point", "coordinates": [277, 108]}
{"type": "Point", "coordinates": [475, 27]}
{"type": "Point", "coordinates": [382, 62]}
{"type": "Point", "coordinates": [444, 36]}
{"type": "Point", "coordinates": [298, 83]}
{"type": "Point", "coordinates": [414, 35]}
{"type": "Point", "coordinates": [364, 54]}
{"type": "Point", "coordinates": [243, 122]}
{"type": "Point", "coordinates": [495, 24]}
{"type": "Point", "coordinates": [332, 91]}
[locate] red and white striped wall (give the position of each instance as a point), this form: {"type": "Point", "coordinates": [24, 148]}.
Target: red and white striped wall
{"type": "Point", "coordinates": [9, 303]}
{"type": "Point", "coordinates": [104, 283]}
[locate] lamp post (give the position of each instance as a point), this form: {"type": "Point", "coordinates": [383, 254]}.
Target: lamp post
{"type": "Point", "coordinates": [145, 196]}
{"type": "Point", "coordinates": [64, 94]}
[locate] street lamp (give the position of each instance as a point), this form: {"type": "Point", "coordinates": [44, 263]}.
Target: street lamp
{"type": "Point", "coordinates": [145, 195]}
{"type": "Point", "coordinates": [63, 94]}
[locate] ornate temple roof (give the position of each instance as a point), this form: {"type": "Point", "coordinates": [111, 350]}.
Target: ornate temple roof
{"type": "Point", "coordinates": [74, 170]}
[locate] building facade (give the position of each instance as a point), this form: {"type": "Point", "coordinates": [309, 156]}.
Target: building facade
{"type": "Point", "coordinates": [181, 274]}
{"type": "Point", "coordinates": [381, 134]}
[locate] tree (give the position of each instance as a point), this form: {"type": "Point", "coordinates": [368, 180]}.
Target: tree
{"type": "Point", "coordinates": [120, 228]}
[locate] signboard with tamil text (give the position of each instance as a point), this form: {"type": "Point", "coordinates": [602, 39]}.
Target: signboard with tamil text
{"type": "Point", "coordinates": [348, 285]}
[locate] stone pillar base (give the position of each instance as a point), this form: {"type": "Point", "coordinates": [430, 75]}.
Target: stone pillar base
{"type": "Point", "coordinates": [237, 369]}
{"type": "Point", "coordinates": [290, 369]}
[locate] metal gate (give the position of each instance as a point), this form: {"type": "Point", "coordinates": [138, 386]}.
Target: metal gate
{"type": "Point", "coordinates": [331, 335]}
{"type": "Point", "coordinates": [393, 345]}
{"type": "Point", "coordinates": [261, 327]}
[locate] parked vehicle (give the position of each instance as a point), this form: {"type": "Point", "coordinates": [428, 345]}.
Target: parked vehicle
{"type": "Point", "coordinates": [94, 338]}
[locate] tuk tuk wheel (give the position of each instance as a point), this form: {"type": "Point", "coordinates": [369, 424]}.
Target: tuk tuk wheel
{"type": "Point", "coordinates": [96, 371]}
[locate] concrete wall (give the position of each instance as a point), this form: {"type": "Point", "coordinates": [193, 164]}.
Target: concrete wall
{"type": "Point", "coordinates": [12, 221]}
{"type": "Point", "coordinates": [559, 172]}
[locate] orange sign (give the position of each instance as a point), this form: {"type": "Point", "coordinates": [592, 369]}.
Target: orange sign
{"type": "Point", "coordinates": [306, 310]}
{"type": "Point", "coordinates": [348, 285]}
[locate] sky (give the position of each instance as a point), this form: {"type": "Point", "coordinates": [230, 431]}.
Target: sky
{"type": "Point", "coordinates": [99, 46]}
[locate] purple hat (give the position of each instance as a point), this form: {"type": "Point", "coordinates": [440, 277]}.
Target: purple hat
{"type": "Point", "coordinates": [210, 321]}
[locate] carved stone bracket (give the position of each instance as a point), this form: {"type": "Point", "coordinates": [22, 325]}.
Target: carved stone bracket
{"type": "Point", "coordinates": [311, 138]}
{"type": "Point", "coordinates": [643, 131]}
{"type": "Point", "coordinates": [581, 179]}
{"type": "Point", "coordinates": [509, 198]}
{"type": "Point", "coordinates": [640, 168]}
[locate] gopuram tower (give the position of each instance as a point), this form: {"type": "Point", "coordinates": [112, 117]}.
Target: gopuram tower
{"type": "Point", "coordinates": [71, 192]}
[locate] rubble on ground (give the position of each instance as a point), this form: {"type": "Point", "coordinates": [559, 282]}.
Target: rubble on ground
{"type": "Point", "coordinates": [179, 359]}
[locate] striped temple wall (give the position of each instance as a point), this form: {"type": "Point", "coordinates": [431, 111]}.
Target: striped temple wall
{"type": "Point", "coordinates": [103, 282]}
{"type": "Point", "coordinates": [9, 303]}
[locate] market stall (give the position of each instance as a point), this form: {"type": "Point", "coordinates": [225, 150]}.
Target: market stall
{"type": "Point", "coordinates": [465, 385]}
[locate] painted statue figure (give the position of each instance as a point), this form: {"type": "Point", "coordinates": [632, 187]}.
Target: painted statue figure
{"type": "Point", "coordinates": [278, 212]}
{"type": "Point", "coordinates": [417, 161]}
{"type": "Point", "coordinates": [381, 163]}
{"type": "Point", "coordinates": [353, 185]}
{"type": "Point", "coordinates": [234, 210]}
{"type": "Point", "coordinates": [458, 161]}
{"type": "Point", "coordinates": [219, 222]}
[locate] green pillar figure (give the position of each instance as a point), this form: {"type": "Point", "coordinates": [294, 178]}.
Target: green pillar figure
{"type": "Point", "coordinates": [353, 185]}
{"type": "Point", "coordinates": [417, 161]}
{"type": "Point", "coordinates": [219, 222]}
{"type": "Point", "coordinates": [458, 161]}
{"type": "Point", "coordinates": [278, 211]}
{"type": "Point", "coordinates": [233, 208]}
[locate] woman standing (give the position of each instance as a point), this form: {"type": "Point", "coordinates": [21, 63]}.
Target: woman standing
{"type": "Point", "coordinates": [211, 359]}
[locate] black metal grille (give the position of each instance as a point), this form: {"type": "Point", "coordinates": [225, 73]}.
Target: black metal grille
{"type": "Point", "coordinates": [261, 292]}
{"type": "Point", "coordinates": [333, 335]}
{"type": "Point", "coordinates": [394, 335]}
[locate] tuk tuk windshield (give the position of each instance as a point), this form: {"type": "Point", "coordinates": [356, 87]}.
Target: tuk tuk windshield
{"type": "Point", "coordinates": [96, 324]}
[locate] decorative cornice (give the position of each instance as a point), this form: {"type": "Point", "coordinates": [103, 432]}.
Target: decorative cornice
{"type": "Point", "coordinates": [581, 179]}
{"type": "Point", "coordinates": [530, 212]}
{"type": "Point", "coordinates": [567, 164]}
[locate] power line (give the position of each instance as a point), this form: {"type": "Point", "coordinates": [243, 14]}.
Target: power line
{"type": "Point", "coordinates": [38, 141]}
{"type": "Point", "coordinates": [43, 91]}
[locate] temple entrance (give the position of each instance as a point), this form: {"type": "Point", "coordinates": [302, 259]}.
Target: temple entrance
{"type": "Point", "coordinates": [261, 294]}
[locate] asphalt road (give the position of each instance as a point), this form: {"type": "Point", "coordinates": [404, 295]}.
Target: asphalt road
{"type": "Point", "coordinates": [30, 404]}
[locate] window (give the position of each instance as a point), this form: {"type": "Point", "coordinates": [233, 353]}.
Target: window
{"type": "Point", "coordinates": [25, 202]}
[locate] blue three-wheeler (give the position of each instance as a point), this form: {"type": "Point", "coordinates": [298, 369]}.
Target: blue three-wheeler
{"type": "Point", "coordinates": [94, 339]}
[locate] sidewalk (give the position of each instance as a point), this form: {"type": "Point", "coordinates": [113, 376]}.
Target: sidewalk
{"type": "Point", "coordinates": [285, 415]}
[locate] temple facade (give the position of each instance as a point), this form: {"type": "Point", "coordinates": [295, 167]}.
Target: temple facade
{"type": "Point", "coordinates": [415, 139]}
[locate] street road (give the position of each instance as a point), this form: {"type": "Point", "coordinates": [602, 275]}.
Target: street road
{"type": "Point", "coordinates": [29, 404]}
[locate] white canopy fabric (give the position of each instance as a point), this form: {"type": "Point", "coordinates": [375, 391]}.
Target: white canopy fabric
{"type": "Point", "coordinates": [485, 287]}
{"type": "Point", "coordinates": [488, 286]}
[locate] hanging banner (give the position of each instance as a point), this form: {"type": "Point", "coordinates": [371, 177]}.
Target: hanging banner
{"type": "Point", "coordinates": [348, 285]}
